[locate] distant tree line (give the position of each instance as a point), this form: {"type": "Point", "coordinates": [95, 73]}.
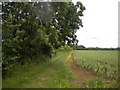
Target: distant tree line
{"type": "Point", "coordinates": [81, 47]}
{"type": "Point", "coordinates": [37, 29]}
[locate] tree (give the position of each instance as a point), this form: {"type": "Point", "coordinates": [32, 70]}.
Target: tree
{"type": "Point", "coordinates": [37, 29]}
{"type": "Point", "coordinates": [80, 47]}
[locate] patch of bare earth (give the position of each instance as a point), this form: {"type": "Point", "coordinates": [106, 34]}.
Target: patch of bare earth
{"type": "Point", "coordinates": [81, 75]}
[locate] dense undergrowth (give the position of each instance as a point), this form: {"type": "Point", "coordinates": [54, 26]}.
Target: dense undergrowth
{"type": "Point", "coordinates": [33, 61]}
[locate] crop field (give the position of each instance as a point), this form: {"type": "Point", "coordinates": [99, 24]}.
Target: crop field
{"type": "Point", "coordinates": [102, 62]}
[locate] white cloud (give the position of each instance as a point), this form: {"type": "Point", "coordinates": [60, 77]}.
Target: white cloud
{"type": "Point", "coordinates": [100, 23]}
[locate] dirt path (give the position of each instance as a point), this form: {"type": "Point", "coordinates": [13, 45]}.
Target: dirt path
{"type": "Point", "coordinates": [69, 57]}
{"type": "Point", "coordinates": [79, 73]}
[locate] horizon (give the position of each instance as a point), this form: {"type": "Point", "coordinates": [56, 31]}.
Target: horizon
{"type": "Point", "coordinates": [98, 47]}
{"type": "Point", "coordinates": [100, 24]}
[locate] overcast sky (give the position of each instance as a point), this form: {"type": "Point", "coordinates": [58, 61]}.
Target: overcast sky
{"type": "Point", "coordinates": [100, 23]}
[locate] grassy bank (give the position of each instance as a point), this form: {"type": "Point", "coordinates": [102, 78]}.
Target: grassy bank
{"type": "Point", "coordinates": [50, 74]}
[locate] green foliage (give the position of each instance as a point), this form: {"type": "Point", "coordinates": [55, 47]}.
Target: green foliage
{"type": "Point", "coordinates": [80, 47]}
{"type": "Point", "coordinates": [65, 48]}
{"type": "Point", "coordinates": [37, 30]}
{"type": "Point", "coordinates": [98, 83]}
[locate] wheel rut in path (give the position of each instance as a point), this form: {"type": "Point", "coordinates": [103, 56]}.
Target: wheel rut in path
{"type": "Point", "coordinates": [80, 74]}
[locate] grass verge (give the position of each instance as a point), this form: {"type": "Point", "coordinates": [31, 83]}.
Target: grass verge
{"type": "Point", "coordinates": [50, 74]}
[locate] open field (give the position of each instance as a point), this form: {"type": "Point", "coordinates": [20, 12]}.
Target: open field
{"type": "Point", "coordinates": [101, 62]}
{"type": "Point", "coordinates": [75, 69]}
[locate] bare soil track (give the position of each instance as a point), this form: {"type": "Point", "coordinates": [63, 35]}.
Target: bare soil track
{"type": "Point", "coordinates": [81, 75]}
